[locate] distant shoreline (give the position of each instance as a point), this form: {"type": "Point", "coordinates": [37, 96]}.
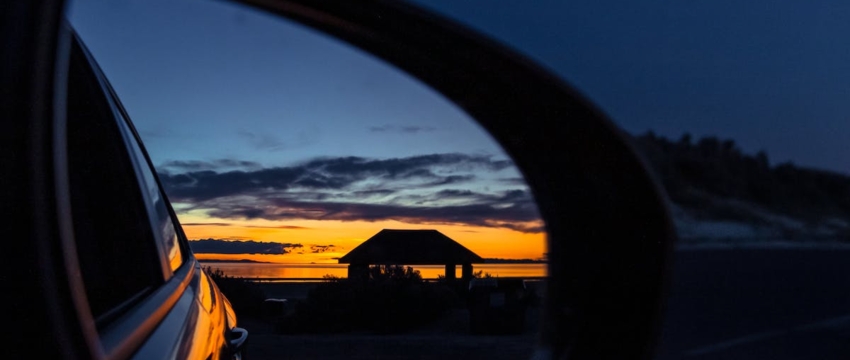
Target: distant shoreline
{"type": "Point", "coordinates": [486, 261]}
{"type": "Point", "coordinates": [233, 261]}
{"type": "Point", "coordinates": [513, 261]}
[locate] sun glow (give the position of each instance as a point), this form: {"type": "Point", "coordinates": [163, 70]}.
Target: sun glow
{"type": "Point", "coordinates": [488, 242]}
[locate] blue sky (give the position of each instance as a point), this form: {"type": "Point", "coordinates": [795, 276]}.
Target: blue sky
{"type": "Point", "coordinates": [227, 82]}
{"type": "Point", "coordinates": [265, 130]}
{"type": "Point", "coordinates": [251, 118]}
{"type": "Point", "coordinates": [772, 75]}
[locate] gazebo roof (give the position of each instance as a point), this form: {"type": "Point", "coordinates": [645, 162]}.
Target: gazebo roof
{"type": "Point", "coordinates": [410, 247]}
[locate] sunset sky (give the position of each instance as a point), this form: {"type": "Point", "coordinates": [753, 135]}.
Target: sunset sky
{"type": "Point", "coordinates": [262, 130]}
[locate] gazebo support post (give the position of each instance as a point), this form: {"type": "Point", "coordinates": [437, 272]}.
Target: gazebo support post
{"type": "Point", "coordinates": [450, 272]}
{"type": "Point", "coordinates": [358, 271]}
{"type": "Point", "coordinates": [466, 273]}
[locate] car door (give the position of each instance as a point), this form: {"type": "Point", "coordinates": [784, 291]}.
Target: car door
{"type": "Point", "coordinates": [146, 294]}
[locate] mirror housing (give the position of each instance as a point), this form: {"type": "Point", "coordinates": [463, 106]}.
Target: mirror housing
{"type": "Point", "coordinates": [609, 228]}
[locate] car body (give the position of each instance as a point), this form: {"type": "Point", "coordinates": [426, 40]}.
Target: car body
{"type": "Point", "coordinates": [136, 287]}
{"type": "Point", "coordinates": [155, 302]}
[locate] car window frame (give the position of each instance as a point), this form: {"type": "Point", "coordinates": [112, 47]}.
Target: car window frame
{"type": "Point", "coordinates": [131, 139]}
{"type": "Point", "coordinates": [130, 136]}
{"type": "Point", "coordinates": [126, 333]}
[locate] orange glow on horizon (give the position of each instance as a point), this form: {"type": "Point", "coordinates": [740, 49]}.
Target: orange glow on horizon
{"type": "Point", "coordinates": [487, 242]}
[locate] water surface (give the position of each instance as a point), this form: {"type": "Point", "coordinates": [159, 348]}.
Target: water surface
{"type": "Point", "coordinates": [316, 271]}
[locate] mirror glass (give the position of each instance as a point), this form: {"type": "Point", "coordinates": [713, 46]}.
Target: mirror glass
{"type": "Point", "coordinates": [282, 150]}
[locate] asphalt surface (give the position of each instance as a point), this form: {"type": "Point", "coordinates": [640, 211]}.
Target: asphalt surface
{"type": "Point", "coordinates": [448, 338]}
{"type": "Point", "coordinates": [723, 304]}
{"type": "Point", "coordinates": [758, 304]}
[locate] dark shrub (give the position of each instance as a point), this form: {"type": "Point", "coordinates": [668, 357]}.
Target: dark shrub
{"type": "Point", "coordinates": [392, 299]}
{"type": "Point", "coordinates": [246, 297]}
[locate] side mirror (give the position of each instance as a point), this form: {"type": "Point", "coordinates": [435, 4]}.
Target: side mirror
{"type": "Point", "coordinates": [610, 231]}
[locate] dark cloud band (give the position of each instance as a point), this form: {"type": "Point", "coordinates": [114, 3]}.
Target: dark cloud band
{"type": "Point", "coordinates": [412, 190]}
{"type": "Point", "coordinates": [221, 246]}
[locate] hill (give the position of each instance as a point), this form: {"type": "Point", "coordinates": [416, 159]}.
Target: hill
{"type": "Point", "coordinates": [718, 192]}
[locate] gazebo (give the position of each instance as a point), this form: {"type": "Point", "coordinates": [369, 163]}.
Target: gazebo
{"type": "Point", "coordinates": [410, 247]}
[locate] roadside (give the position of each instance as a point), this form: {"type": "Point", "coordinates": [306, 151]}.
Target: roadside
{"type": "Point", "coordinates": [446, 338]}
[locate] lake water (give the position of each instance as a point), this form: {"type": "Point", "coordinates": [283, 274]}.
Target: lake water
{"type": "Point", "coordinates": [316, 271]}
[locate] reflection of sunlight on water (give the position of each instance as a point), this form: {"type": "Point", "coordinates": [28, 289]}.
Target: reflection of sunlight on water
{"type": "Point", "coordinates": [341, 270]}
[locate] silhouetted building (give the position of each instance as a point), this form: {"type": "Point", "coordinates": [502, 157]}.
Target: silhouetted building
{"type": "Point", "coordinates": [410, 247]}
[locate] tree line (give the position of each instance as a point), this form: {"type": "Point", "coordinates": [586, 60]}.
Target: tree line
{"type": "Point", "coordinates": [695, 171]}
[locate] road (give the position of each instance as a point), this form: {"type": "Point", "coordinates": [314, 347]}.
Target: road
{"type": "Point", "coordinates": [758, 304]}
{"type": "Point", "coordinates": [723, 304]}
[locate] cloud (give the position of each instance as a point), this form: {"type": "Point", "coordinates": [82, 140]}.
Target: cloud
{"type": "Point", "coordinates": [225, 246]}
{"type": "Point", "coordinates": [222, 246]}
{"type": "Point", "coordinates": [317, 249]}
{"type": "Point", "coordinates": [452, 179]}
{"type": "Point", "coordinates": [513, 181]}
{"type": "Point", "coordinates": [513, 210]}
{"type": "Point", "coordinates": [425, 189]}
{"type": "Point", "coordinates": [287, 227]}
{"type": "Point", "coordinates": [327, 174]}
{"type": "Point", "coordinates": [401, 129]}
{"type": "Point", "coordinates": [270, 142]}
{"type": "Point", "coordinates": [373, 192]}
{"type": "Point", "coordinates": [453, 193]}
{"type": "Point", "coordinates": [197, 165]}
{"type": "Point", "coordinates": [263, 141]}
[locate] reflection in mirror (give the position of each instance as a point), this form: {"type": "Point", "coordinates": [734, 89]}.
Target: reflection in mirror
{"type": "Point", "coordinates": [294, 158]}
